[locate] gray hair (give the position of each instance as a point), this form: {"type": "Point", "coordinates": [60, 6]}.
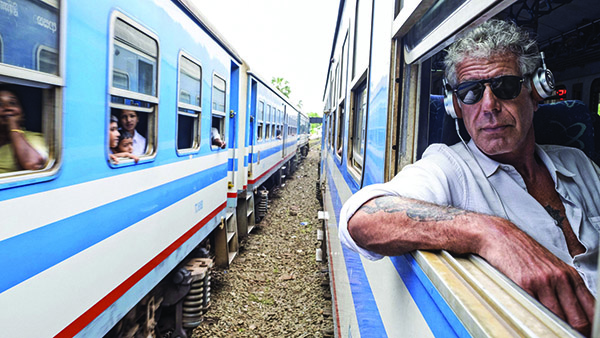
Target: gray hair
{"type": "Point", "coordinates": [493, 37]}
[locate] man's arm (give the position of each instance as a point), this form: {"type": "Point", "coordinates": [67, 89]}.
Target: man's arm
{"type": "Point", "coordinates": [393, 225]}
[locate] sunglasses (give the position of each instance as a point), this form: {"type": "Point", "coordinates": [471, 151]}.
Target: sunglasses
{"type": "Point", "coordinates": [505, 87]}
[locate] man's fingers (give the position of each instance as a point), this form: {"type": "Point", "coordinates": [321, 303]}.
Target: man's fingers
{"type": "Point", "coordinates": [585, 298]}
{"type": "Point", "coordinates": [547, 297]}
{"type": "Point", "coordinates": [575, 315]}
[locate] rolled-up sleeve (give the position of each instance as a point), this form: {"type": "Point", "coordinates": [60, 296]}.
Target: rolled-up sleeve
{"type": "Point", "coordinates": [350, 207]}
{"type": "Point", "coordinates": [425, 180]}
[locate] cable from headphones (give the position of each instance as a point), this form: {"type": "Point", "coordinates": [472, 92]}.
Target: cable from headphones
{"type": "Point", "coordinates": [480, 168]}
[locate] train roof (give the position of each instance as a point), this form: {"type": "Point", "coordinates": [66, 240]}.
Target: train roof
{"type": "Point", "coordinates": [192, 8]}
{"type": "Point", "coordinates": [335, 36]}
{"type": "Point", "coordinates": [275, 90]}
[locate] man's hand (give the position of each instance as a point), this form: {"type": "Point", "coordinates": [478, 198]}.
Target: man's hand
{"type": "Point", "coordinates": [541, 274]}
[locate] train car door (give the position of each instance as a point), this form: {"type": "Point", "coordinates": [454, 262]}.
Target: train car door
{"type": "Point", "coordinates": [233, 109]}
{"type": "Point", "coordinates": [252, 113]}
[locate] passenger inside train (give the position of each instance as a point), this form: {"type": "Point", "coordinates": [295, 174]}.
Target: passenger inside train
{"type": "Point", "coordinates": [215, 134]}
{"type": "Point", "coordinates": [120, 143]}
{"type": "Point", "coordinates": [499, 193]}
{"type": "Point", "coordinates": [129, 120]}
{"type": "Point", "coordinates": [20, 149]}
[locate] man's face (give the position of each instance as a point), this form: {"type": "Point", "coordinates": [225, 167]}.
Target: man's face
{"type": "Point", "coordinates": [497, 126]}
{"type": "Point", "coordinates": [129, 120]}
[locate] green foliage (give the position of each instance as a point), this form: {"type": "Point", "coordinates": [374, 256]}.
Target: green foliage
{"type": "Point", "coordinates": [282, 85]}
{"type": "Point", "coordinates": [314, 126]}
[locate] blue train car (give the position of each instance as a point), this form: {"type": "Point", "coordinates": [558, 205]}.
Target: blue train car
{"type": "Point", "coordinates": [383, 105]}
{"type": "Point", "coordinates": [88, 237]}
{"type": "Point", "coordinates": [273, 139]}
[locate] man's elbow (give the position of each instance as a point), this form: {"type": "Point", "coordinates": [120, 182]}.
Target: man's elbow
{"type": "Point", "coordinates": [358, 228]}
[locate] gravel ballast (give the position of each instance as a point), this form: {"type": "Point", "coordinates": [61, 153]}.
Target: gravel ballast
{"type": "Point", "coordinates": [275, 287]}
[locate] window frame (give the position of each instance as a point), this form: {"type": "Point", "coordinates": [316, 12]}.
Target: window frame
{"type": "Point", "coordinates": [339, 138]}
{"type": "Point", "coordinates": [149, 100]}
{"type": "Point", "coordinates": [1, 49]}
{"type": "Point", "coordinates": [51, 94]}
{"type": "Point", "coordinates": [216, 113]}
{"type": "Point", "coordinates": [260, 117]}
{"type": "Point", "coordinates": [354, 157]}
{"type": "Point", "coordinates": [268, 122]}
{"type": "Point", "coordinates": [197, 115]}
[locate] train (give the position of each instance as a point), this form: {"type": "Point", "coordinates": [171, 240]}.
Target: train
{"type": "Point", "coordinates": [383, 105]}
{"type": "Point", "coordinates": [93, 247]}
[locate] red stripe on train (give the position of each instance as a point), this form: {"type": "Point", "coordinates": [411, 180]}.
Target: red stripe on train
{"type": "Point", "coordinates": [87, 317]}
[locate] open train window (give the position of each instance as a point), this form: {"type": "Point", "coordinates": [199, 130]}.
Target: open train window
{"type": "Point", "coordinates": [340, 130]}
{"type": "Point", "coordinates": [260, 118]}
{"type": "Point", "coordinates": [357, 128]}
{"type": "Point", "coordinates": [274, 123]}
{"type": "Point", "coordinates": [189, 104]}
{"type": "Point", "coordinates": [218, 107]}
{"type": "Point", "coordinates": [134, 85]}
{"type": "Point", "coordinates": [30, 85]}
{"type": "Point", "coordinates": [268, 123]}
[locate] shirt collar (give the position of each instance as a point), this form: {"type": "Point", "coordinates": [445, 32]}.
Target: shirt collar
{"type": "Point", "coordinates": [490, 166]}
{"type": "Point", "coordinates": [553, 167]}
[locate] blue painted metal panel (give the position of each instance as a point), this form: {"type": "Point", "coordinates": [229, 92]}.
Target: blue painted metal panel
{"type": "Point", "coordinates": [55, 242]}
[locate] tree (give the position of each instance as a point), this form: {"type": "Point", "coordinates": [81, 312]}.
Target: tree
{"type": "Point", "coordinates": [300, 104]}
{"type": "Point", "coordinates": [314, 126]}
{"type": "Point", "coordinates": [282, 85]}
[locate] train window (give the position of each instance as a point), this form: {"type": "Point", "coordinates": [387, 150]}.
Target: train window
{"type": "Point", "coordinates": [273, 130]}
{"type": "Point", "coordinates": [329, 130]}
{"type": "Point", "coordinates": [261, 114]}
{"type": "Point", "coordinates": [267, 122]}
{"type": "Point", "coordinates": [38, 25]}
{"type": "Point", "coordinates": [362, 37]}
{"type": "Point", "coordinates": [218, 106]}
{"type": "Point", "coordinates": [30, 84]}
{"type": "Point", "coordinates": [340, 130]}
{"type": "Point", "coordinates": [135, 54]}
{"type": "Point", "coordinates": [189, 104]}
{"type": "Point", "coordinates": [357, 128]}
{"type": "Point", "coordinates": [47, 60]}
{"type": "Point", "coordinates": [336, 81]}
{"type": "Point", "coordinates": [134, 85]}
{"type": "Point", "coordinates": [34, 121]}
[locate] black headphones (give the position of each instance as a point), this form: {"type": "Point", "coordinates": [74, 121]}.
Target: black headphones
{"type": "Point", "coordinates": [542, 87]}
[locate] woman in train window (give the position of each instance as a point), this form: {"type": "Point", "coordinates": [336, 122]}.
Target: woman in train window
{"type": "Point", "coordinates": [129, 120]}
{"type": "Point", "coordinates": [19, 149]}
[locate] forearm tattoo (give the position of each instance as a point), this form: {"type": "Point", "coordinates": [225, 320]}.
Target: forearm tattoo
{"type": "Point", "coordinates": [421, 212]}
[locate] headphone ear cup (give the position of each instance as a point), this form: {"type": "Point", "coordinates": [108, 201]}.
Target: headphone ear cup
{"type": "Point", "coordinates": [451, 105]}
{"type": "Point", "coordinates": [542, 84]}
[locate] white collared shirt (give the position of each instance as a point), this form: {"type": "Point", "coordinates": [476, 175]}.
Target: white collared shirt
{"type": "Point", "coordinates": [449, 176]}
{"type": "Point", "coordinates": [139, 144]}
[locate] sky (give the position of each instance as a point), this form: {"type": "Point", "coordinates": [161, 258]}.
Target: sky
{"type": "Point", "coordinates": [291, 39]}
